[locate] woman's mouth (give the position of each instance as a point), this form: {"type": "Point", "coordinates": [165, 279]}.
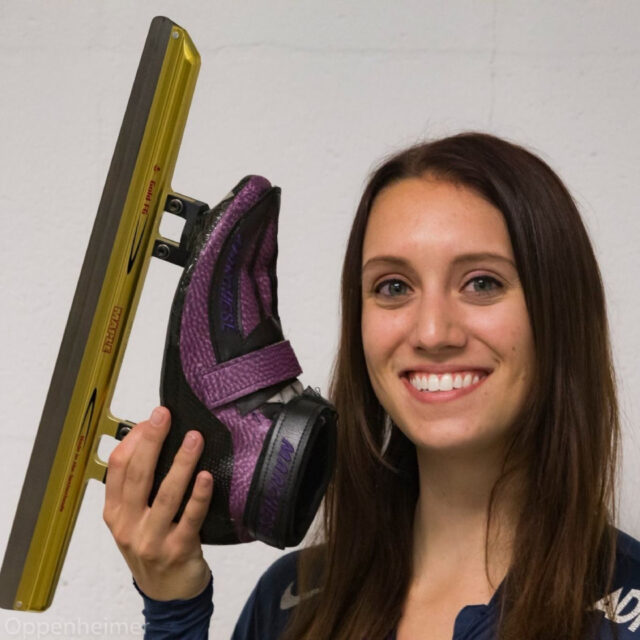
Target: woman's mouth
{"type": "Point", "coordinates": [442, 387]}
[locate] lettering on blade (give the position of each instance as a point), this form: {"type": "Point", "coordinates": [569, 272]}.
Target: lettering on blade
{"type": "Point", "coordinates": [147, 198]}
{"type": "Point", "coordinates": [81, 442]}
{"type": "Point", "coordinates": [112, 330]}
{"type": "Point", "coordinates": [137, 239]}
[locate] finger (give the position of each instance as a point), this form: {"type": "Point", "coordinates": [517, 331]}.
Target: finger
{"type": "Point", "coordinates": [172, 489]}
{"type": "Point", "coordinates": [117, 468]}
{"type": "Point", "coordinates": [196, 509]}
{"type": "Point", "coordinates": [140, 470]}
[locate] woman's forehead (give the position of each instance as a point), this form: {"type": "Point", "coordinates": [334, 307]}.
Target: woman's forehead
{"type": "Point", "coordinates": [425, 214]}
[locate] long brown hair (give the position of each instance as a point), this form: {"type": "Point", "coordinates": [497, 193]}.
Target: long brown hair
{"type": "Point", "coordinates": [565, 444]}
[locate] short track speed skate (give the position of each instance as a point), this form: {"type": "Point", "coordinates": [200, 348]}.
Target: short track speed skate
{"type": "Point", "coordinates": [227, 370]}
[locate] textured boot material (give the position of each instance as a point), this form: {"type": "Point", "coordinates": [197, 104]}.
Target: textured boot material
{"type": "Point", "coordinates": [229, 373]}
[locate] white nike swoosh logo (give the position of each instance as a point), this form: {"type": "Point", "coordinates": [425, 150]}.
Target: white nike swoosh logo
{"type": "Point", "coordinates": [289, 600]}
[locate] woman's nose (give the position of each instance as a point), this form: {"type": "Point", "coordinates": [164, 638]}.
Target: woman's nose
{"type": "Point", "coordinates": [437, 324]}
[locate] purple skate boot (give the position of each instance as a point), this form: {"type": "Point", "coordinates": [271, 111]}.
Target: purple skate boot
{"type": "Point", "coordinates": [229, 373]}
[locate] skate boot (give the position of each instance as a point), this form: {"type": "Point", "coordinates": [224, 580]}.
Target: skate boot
{"type": "Point", "coordinates": [229, 373]}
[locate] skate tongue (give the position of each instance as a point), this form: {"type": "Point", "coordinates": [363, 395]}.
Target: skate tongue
{"type": "Point", "coordinates": [290, 391]}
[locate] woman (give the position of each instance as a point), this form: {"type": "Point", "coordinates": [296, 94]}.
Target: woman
{"type": "Point", "coordinates": [474, 490]}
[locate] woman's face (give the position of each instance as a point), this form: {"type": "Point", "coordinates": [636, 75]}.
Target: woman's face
{"type": "Point", "coordinates": [447, 338]}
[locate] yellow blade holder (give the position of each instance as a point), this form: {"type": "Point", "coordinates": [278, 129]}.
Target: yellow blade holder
{"type": "Point", "coordinates": [124, 238]}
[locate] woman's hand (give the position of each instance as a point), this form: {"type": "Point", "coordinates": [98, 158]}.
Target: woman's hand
{"type": "Point", "coordinates": [165, 558]}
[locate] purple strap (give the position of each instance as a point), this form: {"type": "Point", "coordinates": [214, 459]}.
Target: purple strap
{"type": "Point", "coordinates": [256, 370]}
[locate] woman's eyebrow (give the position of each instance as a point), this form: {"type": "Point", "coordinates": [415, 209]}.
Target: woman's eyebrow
{"type": "Point", "coordinates": [461, 259]}
{"type": "Point", "coordinates": [395, 260]}
{"type": "Point", "coordinates": [486, 255]}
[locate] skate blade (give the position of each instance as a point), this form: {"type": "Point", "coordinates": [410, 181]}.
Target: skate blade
{"type": "Point", "coordinates": [76, 412]}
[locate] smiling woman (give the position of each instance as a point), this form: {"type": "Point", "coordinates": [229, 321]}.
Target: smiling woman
{"type": "Point", "coordinates": [457, 317]}
{"type": "Point", "coordinates": [473, 494]}
{"type": "Point", "coordinates": [478, 415]}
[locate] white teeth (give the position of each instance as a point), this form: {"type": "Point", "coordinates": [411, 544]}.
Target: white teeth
{"type": "Point", "coordinates": [445, 382]}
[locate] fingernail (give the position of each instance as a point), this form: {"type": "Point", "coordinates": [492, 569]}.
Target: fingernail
{"type": "Point", "coordinates": [157, 417]}
{"type": "Point", "coordinates": [205, 480]}
{"type": "Point", "coordinates": [190, 441]}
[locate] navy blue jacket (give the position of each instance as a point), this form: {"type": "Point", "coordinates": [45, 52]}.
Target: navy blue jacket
{"type": "Point", "coordinates": [266, 612]}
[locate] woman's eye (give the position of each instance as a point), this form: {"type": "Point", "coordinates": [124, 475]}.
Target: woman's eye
{"type": "Point", "coordinates": [391, 288]}
{"type": "Point", "coordinates": [485, 285]}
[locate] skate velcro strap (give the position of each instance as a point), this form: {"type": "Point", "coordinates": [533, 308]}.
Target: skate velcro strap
{"type": "Point", "coordinates": [292, 472]}
{"type": "Point", "coordinates": [251, 372]}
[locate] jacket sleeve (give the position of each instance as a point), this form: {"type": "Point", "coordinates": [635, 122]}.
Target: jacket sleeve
{"type": "Point", "coordinates": [178, 619]}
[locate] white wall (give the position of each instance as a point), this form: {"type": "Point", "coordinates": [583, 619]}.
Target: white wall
{"type": "Point", "coordinates": [310, 94]}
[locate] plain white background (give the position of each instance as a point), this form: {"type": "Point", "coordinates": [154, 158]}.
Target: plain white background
{"type": "Point", "coordinates": [311, 95]}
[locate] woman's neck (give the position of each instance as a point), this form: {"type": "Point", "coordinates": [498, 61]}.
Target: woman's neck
{"type": "Point", "coordinates": [451, 539]}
